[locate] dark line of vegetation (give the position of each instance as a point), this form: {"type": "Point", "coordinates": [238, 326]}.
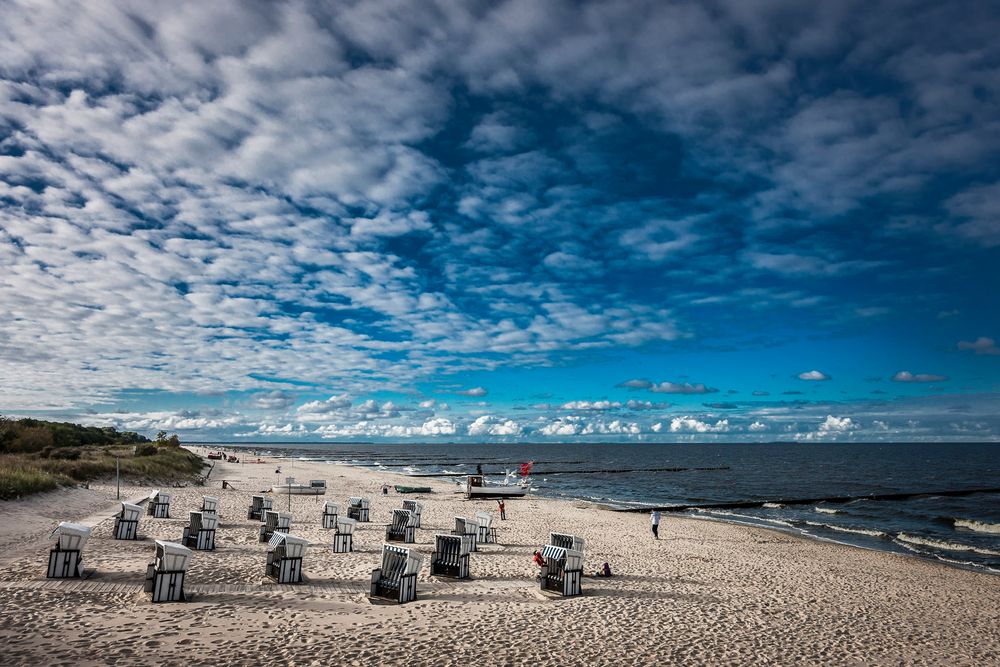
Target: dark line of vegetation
{"type": "Point", "coordinates": [38, 456]}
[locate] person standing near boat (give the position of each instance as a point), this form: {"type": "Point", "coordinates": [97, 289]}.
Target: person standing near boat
{"type": "Point", "coordinates": [654, 518]}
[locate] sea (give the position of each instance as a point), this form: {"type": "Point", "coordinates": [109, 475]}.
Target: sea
{"type": "Point", "coordinates": [960, 530]}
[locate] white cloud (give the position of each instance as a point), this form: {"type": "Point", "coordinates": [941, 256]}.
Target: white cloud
{"type": "Point", "coordinates": [757, 426]}
{"type": "Point", "coordinates": [981, 345]}
{"type": "Point", "coordinates": [474, 392]}
{"type": "Point", "coordinates": [681, 388]}
{"type": "Point", "coordinates": [907, 376]}
{"type": "Point", "coordinates": [836, 425]}
{"type": "Point", "coordinates": [693, 425]}
{"type": "Point", "coordinates": [490, 425]}
{"type": "Point", "coordinates": [334, 404]}
{"type": "Point", "coordinates": [813, 376]}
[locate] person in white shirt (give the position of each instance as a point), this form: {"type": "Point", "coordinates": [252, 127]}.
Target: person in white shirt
{"type": "Point", "coordinates": [654, 518]}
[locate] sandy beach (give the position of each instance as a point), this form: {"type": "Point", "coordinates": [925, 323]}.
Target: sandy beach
{"type": "Point", "coordinates": [706, 593]}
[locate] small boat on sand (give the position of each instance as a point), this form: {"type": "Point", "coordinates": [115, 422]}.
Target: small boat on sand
{"type": "Point", "coordinates": [315, 487]}
{"type": "Point", "coordinates": [413, 489]}
{"type": "Point", "coordinates": [476, 487]}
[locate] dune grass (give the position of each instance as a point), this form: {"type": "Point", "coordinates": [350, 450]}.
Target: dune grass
{"type": "Point", "coordinates": [24, 474]}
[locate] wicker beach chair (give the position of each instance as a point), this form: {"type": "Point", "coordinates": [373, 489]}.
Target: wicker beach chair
{"type": "Point", "coordinates": [343, 539]}
{"type": "Point", "coordinates": [210, 504]}
{"type": "Point", "coordinates": [165, 575]}
{"type": "Point", "coordinates": [127, 522]}
{"type": "Point", "coordinates": [330, 512]}
{"type": "Point", "coordinates": [284, 558]}
{"type": "Point", "coordinates": [487, 533]}
{"type": "Point", "coordinates": [469, 528]}
{"type": "Point", "coordinates": [562, 572]}
{"type": "Point", "coordinates": [566, 541]}
{"type": "Point", "coordinates": [258, 505]}
{"type": "Point", "coordinates": [357, 509]}
{"type": "Point", "coordinates": [396, 580]}
{"type": "Point", "coordinates": [200, 532]}
{"type": "Point", "coordinates": [451, 556]}
{"type": "Point", "coordinates": [158, 506]}
{"type": "Point", "coordinates": [402, 527]}
{"type": "Point", "coordinates": [66, 558]}
{"type": "Point", "coordinates": [415, 507]}
{"type": "Point", "coordinates": [274, 522]}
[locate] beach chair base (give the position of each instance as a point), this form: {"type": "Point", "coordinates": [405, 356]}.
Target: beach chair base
{"type": "Point", "coordinates": [203, 541]}
{"type": "Point", "coordinates": [405, 535]}
{"type": "Point", "coordinates": [158, 510]}
{"type": "Point", "coordinates": [343, 543]}
{"type": "Point", "coordinates": [126, 530]}
{"type": "Point", "coordinates": [359, 514]}
{"type": "Point", "coordinates": [405, 590]}
{"type": "Point", "coordinates": [285, 570]}
{"type": "Point", "coordinates": [329, 521]}
{"type": "Point", "coordinates": [455, 570]}
{"type": "Point", "coordinates": [64, 564]}
{"type": "Point", "coordinates": [567, 585]}
{"type": "Point", "coordinates": [165, 586]}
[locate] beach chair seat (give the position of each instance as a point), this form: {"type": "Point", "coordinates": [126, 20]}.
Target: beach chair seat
{"type": "Point", "coordinates": [562, 572]}
{"type": "Point", "coordinates": [357, 509]}
{"type": "Point", "coordinates": [158, 506]}
{"type": "Point", "coordinates": [66, 558]}
{"type": "Point", "coordinates": [451, 556]}
{"type": "Point", "coordinates": [343, 538]}
{"type": "Point", "coordinates": [165, 575]}
{"type": "Point", "coordinates": [401, 529]}
{"type": "Point", "coordinates": [258, 505]}
{"type": "Point", "coordinates": [330, 512]}
{"type": "Point", "coordinates": [469, 528]}
{"type": "Point", "coordinates": [127, 522]}
{"type": "Point", "coordinates": [487, 533]}
{"type": "Point", "coordinates": [284, 558]}
{"type": "Point", "coordinates": [274, 522]}
{"type": "Point", "coordinates": [210, 504]}
{"type": "Point", "coordinates": [416, 508]}
{"type": "Point", "coordinates": [199, 534]}
{"type": "Point", "coordinates": [396, 580]}
{"type": "Point", "coordinates": [567, 541]}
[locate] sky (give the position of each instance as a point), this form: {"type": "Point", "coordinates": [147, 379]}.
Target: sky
{"type": "Point", "coordinates": [502, 221]}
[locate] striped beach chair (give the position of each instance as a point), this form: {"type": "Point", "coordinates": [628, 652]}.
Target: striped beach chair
{"type": "Point", "coordinates": [451, 556]}
{"type": "Point", "coordinates": [210, 504]}
{"type": "Point", "coordinates": [566, 541]}
{"type": "Point", "coordinates": [343, 539]}
{"type": "Point", "coordinates": [274, 522]}
{"type": "Point", "coordinates": [562, 572]}
{"type": "Point", "coordinates": [402, 527]}
{"type": "Point", "coordinates": [396, 580]}
{"type": "Point", "coordinates": [469, 528]}
{"type": "Point", "coordinates": [487, 533]}
{"type": "Point", "coordinates": [200, 532]}
{"type": "Point", "coordinates": [66, 558]}
{"type": "Point", "coordinates": [259, 505]}
{"type": "Point", "coordinates": [330, 512]}
{"type": "Point", "coordinates": [357, 509]}
{"type": "Point", "coordinates": [158, 506]}
{"type": "Point", "coordinates": [127, 522]}
{"type": "Point", "coordinates": [415, 507]}
{"type": "Point", "coordinates": [165, 575]}
{"type": "Point", "coordinates": [284, 558]}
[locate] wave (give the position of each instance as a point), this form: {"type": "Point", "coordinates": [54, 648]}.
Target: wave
{"type": "Point", "coordinates": [826, 510]}
{"type": "Point", "coordinates": [978, 526]}
{"type": "Point", "coordinates": [945, 546]}
{"type": "Point", "coordinates": [756, 519]}
{"type": "Point", "coordinates": [845, 529]}
{"type": "Point", "coordinates": [773, 506]}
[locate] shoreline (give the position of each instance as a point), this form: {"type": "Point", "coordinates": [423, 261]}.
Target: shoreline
{"type": "Point", "coordinates": [707, 593]}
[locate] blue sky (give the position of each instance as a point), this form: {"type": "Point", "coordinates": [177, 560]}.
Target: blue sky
{"type": "Point", "coordinates": [548, 221]}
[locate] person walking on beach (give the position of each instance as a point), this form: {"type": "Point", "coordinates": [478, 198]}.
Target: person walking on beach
{"type": "Point", "coordinates": [479, 468]}
{"type": "Point", "coordinates": [503, 509]}
{"type": "Point", "coordinates": [654, 518]}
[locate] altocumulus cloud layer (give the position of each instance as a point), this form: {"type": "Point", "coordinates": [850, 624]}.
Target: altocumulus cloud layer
{"type": "Point", "coordinates": [325, 219]}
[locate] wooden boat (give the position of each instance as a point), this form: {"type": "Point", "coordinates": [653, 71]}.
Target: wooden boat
{"type": "Point", "coordinates": [476, 487]}
{"type": "Point", "coordinates": [413, 489]}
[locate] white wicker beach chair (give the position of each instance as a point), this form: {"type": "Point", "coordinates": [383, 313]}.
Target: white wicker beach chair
{"type": "Point", "coordinates": [200, 532]}
{"type": "Point", "coordinates": [330, 512]}
{"type": "Point", "coordinates": [357, 509]}
{"type": "Point", "coordinates": [127, 522]}
{"type": "Point", "coordinates": [487, 533]}
{"type": "Point", "coordinates": [258, 504]}
{"type": "Point", "coordinates": [66, 558]}
{"type": "Point", "coordinates": [402, 527]}
{"type": "Point", "coordinates": [284, 558]}
{"type": "Point", "coordinates": [451, 556]}
{"type": "Point", "coordinates": [469, 528]}
{"type": "Point", "coordinates": [397, 578]}
{"type": "Point", "coordinates": [274, 522]}
{"type": "Point", "coordinates": [417, 508]}
{"type": "Point", "coordinates": [165, 575]}
{"type": "Point", "coordinates": [158, 505]}
{"type": "Point", "coordinates": [343, 539]}
{"type": "Point", "coordinates": [210, 504]}
{"type": "Point", "coordinates": [563, 570]}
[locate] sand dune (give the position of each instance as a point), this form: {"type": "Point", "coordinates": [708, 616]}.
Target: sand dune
{"type": "Point", "coordinates": [707, 593]}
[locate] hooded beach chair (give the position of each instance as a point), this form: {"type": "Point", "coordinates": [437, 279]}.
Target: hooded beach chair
{"type": "Point", "coordinates": [469, 528]}
{"type": "Point", "coordinates": [567, 541]}
{"type": "Point", "coordinates": [158, 506]}
{"type": "Point", "coordinates": [210, 504]}
{"type": "Point", "coordinates": [330, 512]}
{"type": "Point", "coordinates": [66, 558]}
{"type": "Point", "coordinates": [127, 522]}
{"type": "Point", "coordinates": [200, 532]}
{"type": "Point", "coordinates": [343, 539]}
{"type": "Point", "coordinates": [357, 509]}
{"type": "Point", "coordinates": [165, 575]}
{"type": "Point", "coordinates": [396, 580]}
{"type": "Point", "coordinates": [274, 522]}
{"type": "Point", "coordinates": [563, 570]}
{"type": "Point", "coordinates": [416, 508]}
{"type": "Point", "coordinates": [487, 533]}
{"type": "Point", "coordinates": [284, 558]}
{"type": "Point", "coordinates": [402, 527]}
{"type": "Point", "coordinates": [258, 505]}
{"type": "Point", "coordinates": [451, 556]}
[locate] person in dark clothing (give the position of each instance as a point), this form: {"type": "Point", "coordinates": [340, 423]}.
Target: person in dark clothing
{"type": "Point", "coordinates": [503, 509]}
{"type": "Point", "coordinates": [479, 468]}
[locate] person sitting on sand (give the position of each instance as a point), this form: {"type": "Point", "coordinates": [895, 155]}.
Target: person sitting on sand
{"type": "Point", "coordinates": [539, 561]}
{"type": "Point", "coordinates": [605, 571]}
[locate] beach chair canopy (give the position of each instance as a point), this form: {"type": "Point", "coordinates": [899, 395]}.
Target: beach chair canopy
{"type": "Point", "coordinates": [399, 559]}
{"type": "Point", "coordinates": [209, 503]}
{"type": "Point", "coordinates": [567, 541]}
{"type": "Point", "coordinates": [470, 526]}
{"type": "Point", "coordinates": [403, 518]}
{"type": "Point", "coordinates": [461, 543]}
{"type": "Point", "coordinates": [257, 502]}
{"type": "Point", "coordinates": [355, 501]}
{"type": "Point", "coordinates": [571, 560]}
{"type": "Point", "coordinates": [413, 506]}
{"type": "Point", "coordinates": [345, 526]}
{"type": "Point", "coordinates": [484, 519]}
{"type": "Point", "coordinates": [284, 519]}
{"type": "Point", "coordinates": [330, 507]}
{"type": "Point", "coordinates": [172, 557]}
{"type": "Point", "coordinates": [154, 494]}
{"type": "Point", "coordinates": [163, 497]}
{"type": "Point", "coordinates": [295, 547]}
{"type": "Point", "coordinates": [71, 536]}
{"type": "Point", "coordinates": [131, 512]}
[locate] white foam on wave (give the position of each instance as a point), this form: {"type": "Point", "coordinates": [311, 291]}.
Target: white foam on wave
{"type": "Point", "coordinates": [845, 529]}
{"type": "Point", "coordinates": [826, 510]}
{"type": "Point", "coordinates": [946, 546]}
{"type": "Point", "coordinates": [773, 506]}
{"type": "Point", "coordinates": [746, 517]}
{"type": "Point", "coordinates": [978, 526]}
